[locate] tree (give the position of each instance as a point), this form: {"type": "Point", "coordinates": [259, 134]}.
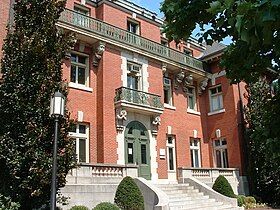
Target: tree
{"type": "Point", "coordinates": [31, 66]}
{"type": "Point", "coordinates": [263, 133]}
{"type": "Point", "coordinates": [254, 27]}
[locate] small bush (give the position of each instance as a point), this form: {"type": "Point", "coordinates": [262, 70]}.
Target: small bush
{"type": "Point", "coordinates": [128, 195]}
{"type": "Point", "coordinates": [106, 206]}
{"type": "Point", "coordinates": [241, 200]}
{"type": "Point", "coordinates": [222, 186]}
{"type": "Point", "coordinates": [79, 208]}
{"type": "Point", "coordinates": [250, 199]}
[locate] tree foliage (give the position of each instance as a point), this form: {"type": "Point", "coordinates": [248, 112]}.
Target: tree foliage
{"type": "Point", "coordinates": [253, 25]}
{"type": "Point", "coordinates": [263, 117]}
{"type": "Point", "coordinates": [31, 67]}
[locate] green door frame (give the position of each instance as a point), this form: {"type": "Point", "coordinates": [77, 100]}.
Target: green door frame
{"type": "Point", "coordinates": [137, 148]}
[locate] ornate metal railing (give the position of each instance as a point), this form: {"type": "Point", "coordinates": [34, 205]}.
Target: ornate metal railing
{"type": "Point", "coordinates": [138, 97]}
{"type": "Point", "coordinates": [114, 33]}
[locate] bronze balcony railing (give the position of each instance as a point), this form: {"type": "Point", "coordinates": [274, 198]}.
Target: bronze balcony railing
{"type": "Point", "coordinates": [137, 97]}
{"type": "Point", "coordinates": [106, 30]}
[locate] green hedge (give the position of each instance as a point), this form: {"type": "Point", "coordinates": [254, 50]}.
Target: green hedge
{"type": "Point", "coordinates": [79, 208]}
{"type": "Point", "coordinates": [106, 206]}
{"type": "Point", "coordinates": [128, 196]}
{"type": "Point", "coordinates": [241, 200]}
{"type": "Point", "coordinates": [222, 186]}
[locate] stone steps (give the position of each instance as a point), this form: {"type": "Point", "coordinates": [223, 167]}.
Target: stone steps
{"type": "Point", "coordinates": [184, 196]}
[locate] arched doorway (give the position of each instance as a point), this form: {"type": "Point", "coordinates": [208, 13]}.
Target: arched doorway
{"type": "Point", "coordinates": [137, 148]}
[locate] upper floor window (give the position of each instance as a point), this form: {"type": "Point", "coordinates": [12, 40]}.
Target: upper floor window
{"type": "Point", "coordinates": [79, 69]}
{"type": "Point", "coordinates": [79, 133]}
{"type": "Point", "coordinates": [164, 42]}
{"type": "Point", "coordinates": [195, 152]}
{"type": "Point", "coordinates": [191, 98]}
{"type": "Point", "coordinates": [167, 89]}
{"type": "Point", "coordinates": [81, 9]}
{"type": "Point", "coordinates": [133, 76]}
{"type": "Point", "coordinates": [133, 27]}
{"type": "Point", "coordinates": [188, 51]}
{"type": "Point", "coordinates": [220, 153]}
{"type": "Point", "coordinates": [80, 18]}
{"type": "Point", "coordinates": [216, 98]}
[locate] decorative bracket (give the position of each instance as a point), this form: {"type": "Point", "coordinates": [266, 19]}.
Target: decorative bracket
{"type": "Point", "coordinates": [164, 68]}
{"type": "Point", "coordinates": [156, 121]}
{"type": "Point", "coordinates": [179, 78]}
{"type": "Point", "coordinates": [98, 52]}
{"type": "Point", "coordinates": [121, 116]}
{"type": "Point", "coordinates": [68, 52]}
{"type": "Point", "coordinates": [202, 85]}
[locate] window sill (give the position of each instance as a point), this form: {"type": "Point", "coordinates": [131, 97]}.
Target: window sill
{"type": "Point", "coordinates": [216, 112]}
{"type": "Point", "coordinates": [168, 106]}
{"type": "Point", "coordinates": [79, 87]}
{"type": "Point", "coordinates": [191, 111]}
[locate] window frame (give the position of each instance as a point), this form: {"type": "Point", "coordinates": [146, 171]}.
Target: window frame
{"type": "Point", "coordinates": [170, 92]}
{"type": "Point", "coordinates": [193, 94]}
{"type": "Point", "coordinates": [136, 23]}
{"type": "Point", "coordinates": [195, 148]}
{"type": "Point", "coordinates": [217, 94]}
{"type": "Point", "coordinates": [171, 146]}
{"type": "Point", "coordinates": [136, 75]}
{"type": "Point", "coordinates": [77, 65]}
{"type": "Point", "coordinates": [222, 148]}
{"type": "Point", "coordinates": [77, 136]}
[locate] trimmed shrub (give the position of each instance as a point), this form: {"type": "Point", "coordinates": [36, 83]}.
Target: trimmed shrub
{"type": "Point", "coordinates": [79, 208]}
{"type": "Point", "coordinates": [222, 186]}
{"type": "Point", "coordinates": [250, 202]}
{"type": "Point", "coordinates": [106, 206]}
{"type": "Point", "coordinates": [241, 200]}
{"type": "Point", "coordinates": [128, 196]}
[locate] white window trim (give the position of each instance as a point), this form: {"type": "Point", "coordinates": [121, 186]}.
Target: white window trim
{"type": "Point", "coordinates": [220, 148]}
{"type": "Point", "coordinates": [216, 94]}
{"type": "Point", "coordinates": [76, 135]}
{"type": "Point", "coordinates": [168, 106]}
{"type": "Point", "coordinates": [191, 111]}
{"type": "Point", "coordinates": [192, 147]}
{"type": "Point", "coordinates": [174, 153]}
{"type": "Point", "coordinates": [77, 85]}
{"type": "Point", "coordinates": [216, 112]}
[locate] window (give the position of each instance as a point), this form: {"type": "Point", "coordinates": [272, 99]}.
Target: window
{"type": "Point", "coordinates": [80, 18]}
{"type": "Point", "coordinates": [195, 152]}
{"type": "Point", "coordinates": [191, 98]}
{"type": "Point", "coordinates": [171, 153]}
{"type": "Point", "coordinates": [220, 153]}
{"type": "Point", "coordinates": [164, 42]}
{"type": "Point", "coordinates": [133, 27]}
{"type": "Point", "coordinates": [167, 89]}
{"type": "Point", "coordinates": [133, 75]}
{"type": "Point", "coordinates": [188, 51]}
{"type": "Point", "coordinates": [216, 98]}
{"type": "Point", "coordinates": [80, 135]}
{"type": "Point", "coordinates": [79, 69]}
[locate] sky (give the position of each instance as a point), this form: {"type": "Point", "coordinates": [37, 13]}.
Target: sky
{"type": "Point", "coordinates": [154, 6]}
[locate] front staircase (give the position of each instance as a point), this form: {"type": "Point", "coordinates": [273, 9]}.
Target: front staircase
{"type": "Point", "coordinates": [185, 196]}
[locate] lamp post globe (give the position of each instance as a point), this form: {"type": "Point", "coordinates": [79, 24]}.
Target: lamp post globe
{"type": "Point", "coordinates": [57, 108]}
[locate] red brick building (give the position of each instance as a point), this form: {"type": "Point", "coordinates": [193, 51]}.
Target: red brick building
{"type": "Point", "coordinates": [139, 100]}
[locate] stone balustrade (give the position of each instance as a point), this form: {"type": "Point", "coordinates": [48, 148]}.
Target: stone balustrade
{"type": "Point", "coordinates": [100, 173]}
{"type": "Point", "coordinates": [209, 175]}
{"type": "Point", "coordinates": [106, 32]}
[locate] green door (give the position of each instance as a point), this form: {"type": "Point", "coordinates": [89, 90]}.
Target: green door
{"type": "Point", "coordinates": [137, 148]}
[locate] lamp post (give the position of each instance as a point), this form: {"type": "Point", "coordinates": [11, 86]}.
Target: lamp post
{"type": "Point", "coordinates": [56, 110]}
